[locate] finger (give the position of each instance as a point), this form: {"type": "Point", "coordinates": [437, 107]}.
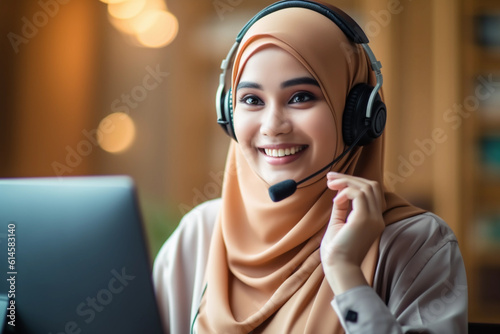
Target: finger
{"type": "Point", "coordinates": [357, 198]}
{"type": "Point", "coordinates": [339, 215]}
{"type": "Point", "coordinates": [340, 210]}
{"type": "Point", "coordinates": [343, 180]}
{"type": "Point", "coordinates": [356, 189]}
{"type": "Point", "coordinates": [370, 188]}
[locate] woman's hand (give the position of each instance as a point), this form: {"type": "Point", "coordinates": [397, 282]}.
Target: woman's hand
{"type": "Point", "coordinates": [356, 222]}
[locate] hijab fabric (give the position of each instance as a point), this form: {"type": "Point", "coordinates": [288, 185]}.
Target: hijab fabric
{"type": "Point", "coordinates": [264, 272]}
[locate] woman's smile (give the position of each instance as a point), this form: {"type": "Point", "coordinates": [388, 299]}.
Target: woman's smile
{"type": "Point", "coordinates": [282, 154]}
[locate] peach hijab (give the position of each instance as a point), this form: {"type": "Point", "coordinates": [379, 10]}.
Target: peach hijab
{"type": "Point", "coordinates": [264, 273]}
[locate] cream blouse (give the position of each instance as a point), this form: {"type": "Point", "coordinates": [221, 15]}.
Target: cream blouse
{"type": "Point", "coordinates": [420, 284]}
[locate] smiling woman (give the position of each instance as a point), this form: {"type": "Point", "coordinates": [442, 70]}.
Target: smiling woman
{"type": "Point", "coordinates": [341, 253]}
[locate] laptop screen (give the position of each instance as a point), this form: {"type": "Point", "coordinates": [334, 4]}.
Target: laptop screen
{"type": "Point", "coordinates": [73, 257]}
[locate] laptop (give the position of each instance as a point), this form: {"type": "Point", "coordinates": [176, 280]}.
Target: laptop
{"type": "Point", "coordinates": [74, 257]}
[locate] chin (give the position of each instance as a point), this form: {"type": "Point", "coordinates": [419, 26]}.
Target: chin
{"type": "Point", "coordinates": [279, 177]}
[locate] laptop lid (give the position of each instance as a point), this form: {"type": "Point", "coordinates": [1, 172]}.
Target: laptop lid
{"type": "Point", "coordinates": [74, 258]}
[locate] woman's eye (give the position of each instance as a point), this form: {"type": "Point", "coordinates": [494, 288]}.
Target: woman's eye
{"type": "Point", "coordinates": [250, 100]}
{"type": "Point", "coordinates": [302, 97]}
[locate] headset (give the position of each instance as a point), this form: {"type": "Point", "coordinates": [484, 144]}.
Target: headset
{"type": "Point", "coordinates": [365, 113]}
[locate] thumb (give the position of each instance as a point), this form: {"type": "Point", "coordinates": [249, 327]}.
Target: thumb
{"type": "Point", "coordinates": [340, 210]}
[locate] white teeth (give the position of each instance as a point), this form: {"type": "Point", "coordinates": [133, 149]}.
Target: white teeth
{"type": "Point", "coordinates": [278, 153]}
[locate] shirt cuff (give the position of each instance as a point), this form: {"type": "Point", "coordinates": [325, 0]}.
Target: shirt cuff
{"type": "Point", "coordinates": [360, 310]}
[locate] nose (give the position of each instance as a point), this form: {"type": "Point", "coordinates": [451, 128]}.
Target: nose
{"type": "Point", "coordinates": [275, 122]}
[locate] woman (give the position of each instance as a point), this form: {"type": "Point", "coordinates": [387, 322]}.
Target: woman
{"type": "Point", "coordinates": [341, 254]}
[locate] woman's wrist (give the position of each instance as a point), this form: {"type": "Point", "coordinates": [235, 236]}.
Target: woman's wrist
{"type": "Point", "coordinates": [344, 276]}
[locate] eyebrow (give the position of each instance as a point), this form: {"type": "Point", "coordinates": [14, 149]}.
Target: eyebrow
{"type": "Point", "coordinates": [285, 84]}
{"type": "Point", "coordinates": [247, 84]}
{"type": "Point", "coordinates": [300, 81]}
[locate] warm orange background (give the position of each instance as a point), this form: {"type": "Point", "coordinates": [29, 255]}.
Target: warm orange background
{"type": "Point", "coordinates": [76, 68]}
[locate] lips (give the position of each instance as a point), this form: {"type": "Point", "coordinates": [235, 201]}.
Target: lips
{"type": "Point", "coordinates": [282, 154]}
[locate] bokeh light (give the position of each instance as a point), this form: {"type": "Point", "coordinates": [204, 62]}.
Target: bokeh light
{"type": "Point", "coordinates": [126, 9]}
{"type": "Point", "coordinates": [116, 132]}
{"type": "Point", "coordinates": [162, 29]}
{"type": "Point", "coordinates": [148, 22]}
{"type": "Point", "coordinates": [111, 1]}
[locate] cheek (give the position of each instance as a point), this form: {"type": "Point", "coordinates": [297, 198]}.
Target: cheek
{"type": "Point", "coordinates": [244, 127]}
{"type": "Point", "coordinates": [328, 131]}
{"type": "Point", "coordinates": [323, 132]}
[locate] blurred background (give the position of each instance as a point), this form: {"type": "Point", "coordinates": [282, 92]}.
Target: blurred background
{"type": "Point", "coordinates": [127, 87]}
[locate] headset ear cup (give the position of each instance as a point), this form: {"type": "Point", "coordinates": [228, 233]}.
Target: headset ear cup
{"type": "Point", "coordinates": [228, 113]}
{"type": "Point", "coordinates": [378, 118]}
{"type": "Point", "coordinates": [354, 120]}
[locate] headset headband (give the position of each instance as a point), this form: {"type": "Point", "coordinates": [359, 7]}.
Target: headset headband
{"type": "Point", "coordinates": [348, 26]}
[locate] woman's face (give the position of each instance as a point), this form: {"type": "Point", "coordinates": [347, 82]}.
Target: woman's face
{"type": "Point", "coordinates": [282, 121]}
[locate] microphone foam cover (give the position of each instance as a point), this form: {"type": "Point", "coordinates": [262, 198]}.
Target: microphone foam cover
{"type": "Point", "coordinates": [282, 190]}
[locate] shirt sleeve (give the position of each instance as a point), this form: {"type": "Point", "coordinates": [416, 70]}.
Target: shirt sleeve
{"type": "Point", "coordinates": [425, 292]}
{"type": "Point", "coordinates": [179, 268]}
